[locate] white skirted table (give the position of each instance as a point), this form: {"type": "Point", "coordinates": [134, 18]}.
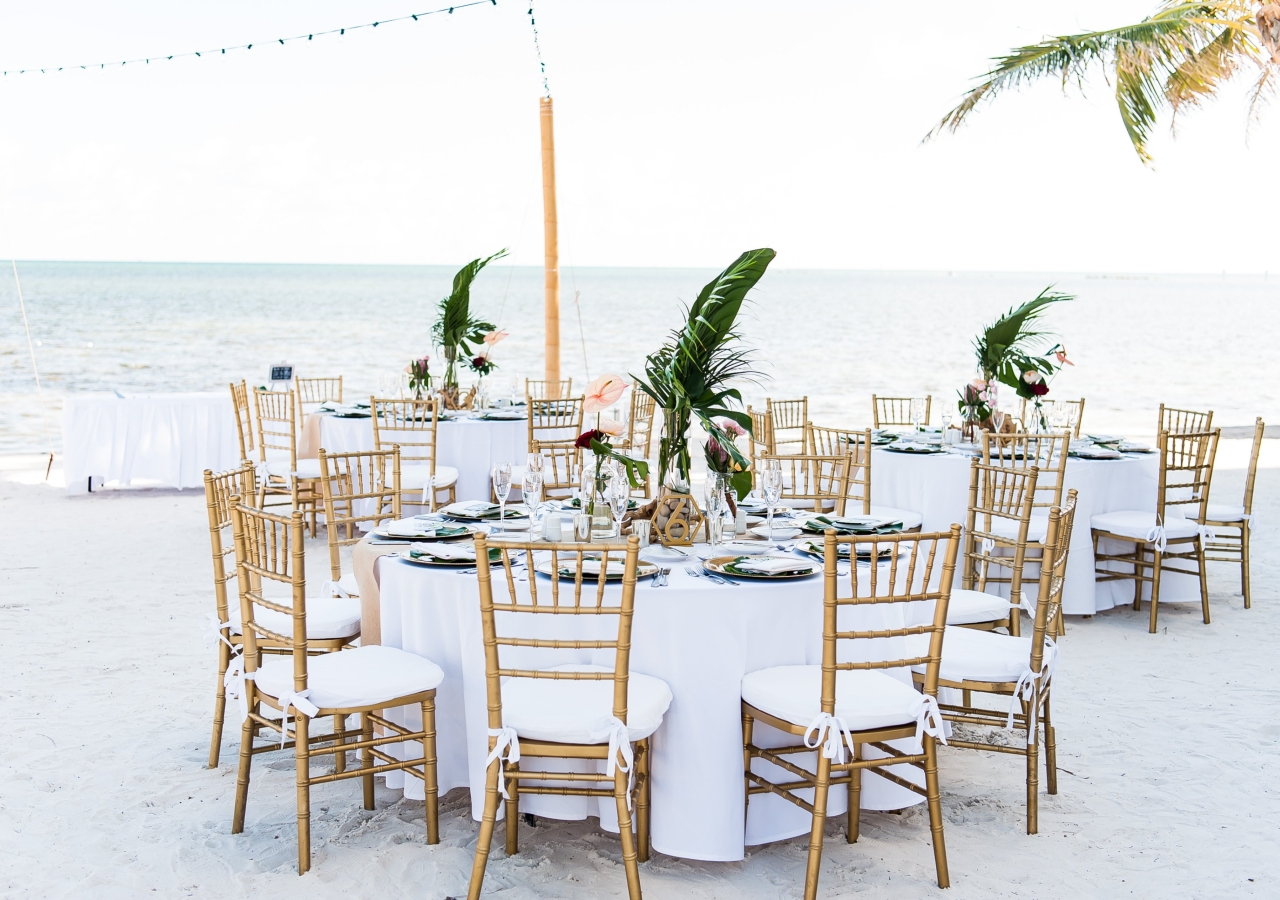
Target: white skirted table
{"type": "Point", "coordinates": [167, 440]}
{"type": "Point", "coordinates": [937, 487]}
{"type": "Point", "coordinates": [700, 638]}
{"type": "Point", "coordinates": [470, 445]}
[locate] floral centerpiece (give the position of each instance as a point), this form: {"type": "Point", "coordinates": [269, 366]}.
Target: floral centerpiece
{"type": "Point", "coordinates": [456, 329]}
{"type": "Point", "coordinates": [600, 395]}
{"type": "Point", "coordinates": [419, 376]}
{"type": "Point", "coordinates": [482, 363]}
{"type": "Point", "coordinates": [689, 377]}
{"type": "Point", "coordinates": [723, 458]}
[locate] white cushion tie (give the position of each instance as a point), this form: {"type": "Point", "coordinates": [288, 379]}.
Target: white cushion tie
{"type": "Point", "coordinates": [334, 589]}
{"type": "Point", "coordinates": [213, 629]}
{"type": "Point", "coordinates": [1025, 689]}
{"type": "Point", "coordinates": [233, 683]}
{"type": "Point", "coordinates": [827, 731]}
{"type": "Point", "coordinates": [988, 545]}
{"type": "Point", "coordinates": [930, 721]}
{"type": "Point", "coordinates": [619, 742]}
{"type": "Point", "coordinates": [1157, 536]}
{"type": "Point", "coordinates": [298, 700]}
{"type": "Point", "coordinates": [507, 746]}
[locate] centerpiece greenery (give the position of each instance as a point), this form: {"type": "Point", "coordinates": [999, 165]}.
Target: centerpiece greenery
{"type": "Point", "coordinates": [456, 329]}
{"type": "Point", "coordinates": [419, 376]}
{"type": "Point", "coordinates": [600, 395]}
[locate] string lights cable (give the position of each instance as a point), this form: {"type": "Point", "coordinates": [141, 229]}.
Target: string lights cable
{"type": "Point", "coordinates": [221, 51]}
{"type": "Point", "coordinates": [542, 66]}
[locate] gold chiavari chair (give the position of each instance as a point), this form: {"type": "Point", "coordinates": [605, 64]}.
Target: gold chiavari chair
{"type": "Point", "coordinates": [995, 538]}
{"type": "Point", "coordinates": [281, 472]}
{"type": "Point", "coordinates": [333, 624]}
{"type": "Point", "coordinates": [1184, 421]}
{"type": "Point", "coordinates": [244, 417]}
{"type": "Point", "coordinates": [554, 425]}
{"type": "Point", "coordinates": [788, 418]}
{"type": "Point", "coordinates": [845, 705]}
{"type": "Point", "coordinates": [538, 389]}
{"type": "Point", "coordinates": [357, 681]}
{"type": "Point", "coordinates": [762, 442]}
{"type": "Point", "coordinates": [820, 483]}
{"type": "Point", "coordinates": [361, 490]}
{"type": "Point", "coordinates": [897, 410]}
{"type": "Point", "coordinates": [1017, 669]}
{"type": "Point", "coordinates": [1075, 414]}
{"type": "Point", "coordinates": [1048, 453]}
{"type": "Point", "coordinates": [567, 711]}
{"type": "Point", "coordinates": [314, 391]}
{"type": "Point", "coordinates": [1230, 524]}
{"type": "Point", "coordinates": [1169, 534]}
{"type": "Point", "coordinates": [857, 444]}
{"type": "Point", "coordinates": [411, 425]}
{"type": "Point", "coordinates": [638, 439]}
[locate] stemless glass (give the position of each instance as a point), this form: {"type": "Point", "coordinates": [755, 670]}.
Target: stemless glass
{"type": "Point", "coordinates": [772, 488]}
{"type": "Point", "coordinates": [502, 489]}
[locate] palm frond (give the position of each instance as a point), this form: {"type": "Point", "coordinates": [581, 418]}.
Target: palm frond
{"type": "Point", "coordinates": [454, 325]}
{"type": "Point", "coordinates": [1014, 332]}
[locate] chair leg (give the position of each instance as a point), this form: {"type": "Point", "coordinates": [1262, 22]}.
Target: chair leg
{"type": "Point", "coordinates": [301, 750]}
{"type": "Point", "coordinates": [1156, 565]}
{"type": "Point", "coordinates": [855, 799]}
{"type": "Point", "coordinates": [1033, 770]}
{"type": "Point", "coordinates": [1137, 578]}
{"type": "Point", "coordinates": [431, 783]}
{"type": "Point", "coordinates": [247, 733]}
{"type": "Point", "coordinates": [339, 755]}
{"type": "Point", "coordinates": [645, 773]}
{"type": "Point", "coordinates": [748, 726]}
{"type": "Point", "coordinates": [513, 807]}
{"type": "Point", "coordinates": [366, 758]}
{"type": "Point", "coordinates": [1050, 750]}
{"type": "Point", "coordinates": [485, 838]}
{"type": "Point", "coordinates": [933, 797]}
{"type": "Point", "coordinates": [821, 787]}
{"type": "Point", "coordinates": [1244, 563]}
{"type": "Point", "coordinates": [1204, 580]}
{"type": "Point", "coordinates": [626, 832]}
{"type": "Point", "coordinates": [219, 705]}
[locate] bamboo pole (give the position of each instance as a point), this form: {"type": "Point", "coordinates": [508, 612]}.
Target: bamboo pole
{"type": "Point", "coordinates": [551, 262]}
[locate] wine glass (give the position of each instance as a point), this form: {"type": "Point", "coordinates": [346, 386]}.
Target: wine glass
{"type": "Point", "coordinates": [917, 412]}
{"type": "Point", "coordinates": [772, 489]}
{"type": "Point", "coordinates": [946, 426]}
{"type": "Point", "coordinates": [713, 493]}
{"type": "Point", "coordinates": [619, 490]}
{"type": "Point", "coordinates": [515, 389]}
{"type": "Point", "coordinates": [531, 487]}
{"type": "Point", "coordinates": [502, 489]}
{"type": "Point", "coordinates": [997, 420]}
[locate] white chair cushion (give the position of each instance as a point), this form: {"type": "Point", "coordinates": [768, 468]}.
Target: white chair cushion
{"type": "Point", "coordinates": [1224, 513]}
{"type": "Point", "coordinates": [328, 618]}
{"type": "Point", "coordinates": [864, 699]}
{"type": "Point", "coordinates": [973, 607]}
{"type": "Point", "coordinates": [969, 655]}
{"type": "Point", "coordinates": [908, 518]}
{"type": "Point", "coordinates": [363, 677]}
{"type": "Point", "coordinates": [1037, 528]}
{"type": "Point", "coordinates": [1137, 525]}
{"type": "Point", "coordinates": [542, 709]}
{"type": "Point", "coordinates": [413, 477]}
{"type": "Point", "coordinates": [307, 468]}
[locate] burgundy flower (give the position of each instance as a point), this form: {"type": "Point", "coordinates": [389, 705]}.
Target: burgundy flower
{"type": "Point", "coordinates": [478, 362]}
{"type": "Point", "coordinates": [584, 440]}
{"type": "Point", "coordinates": [1039, 388]}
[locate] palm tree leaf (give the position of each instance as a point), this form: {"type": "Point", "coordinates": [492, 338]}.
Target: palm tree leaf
{"type": "Point", "coordinates": [454, 324]}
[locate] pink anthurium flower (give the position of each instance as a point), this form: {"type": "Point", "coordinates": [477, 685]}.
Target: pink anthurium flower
{"type": "Point", "coordinates": [611, 427]}
{"type": "Point", "coordinates": [493, 337]}
{"type": "Point", "coordinates": [1061, 355]}
{"type": "Point", "coordinates": [604, 392]}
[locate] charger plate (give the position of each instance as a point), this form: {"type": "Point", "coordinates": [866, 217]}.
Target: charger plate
{"type": "Point", "coordinates": [722, 565]}
{"type": "Point", "coordinates": [644, 569]}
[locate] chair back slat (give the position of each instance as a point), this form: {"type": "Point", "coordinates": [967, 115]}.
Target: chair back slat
{"type": "Point", "coordinates": [561, 468]}
{"type": "Point", "coordinates": [1074, 410]}
{"type": "Point", "coordinates": [540, 389]}
{"type": "Point", "coordinates": [244, 417]}
{"type": "Point", "coordinates": [997, 493]}
{"type": "Point", "coordinates": [1186, 471]}
{"type": "Point", "coordinates": [639, 435]}
{"type": "Point", "coordinates": [1184, 421]}
{"type": "Point", "coordinates": [1053, 575]}
{"type": "Point", "coordinates": [277, 426]}
{"type": "Point", "coordinates": [269, 548]}
{"type": "Point", "coordinates": [822, 481]}
{"type": "Point", "coordinates": [890, 582]}
{"type": "Point", "coordinates": [1251, 477]}
{"type": "Point", "coordinates": [762, 440]}
{"type": "Point", "coordinates": [1047, 452]}
{"type": "Point", "coordinates": [314, 391]}
{"type": "Point", "coordinates": [788, 418]}
{"type": "Point", "coordinates": [553, 421]}
{"type": "Point", "coordinates": [361, 490]}
{"type": "Point", "coordinates": [897, 410]}
{"type": "Point", "coordinates": [220, 493]}
{"type": "Point", "coordinates": [531, 598]}
{"type": "Point", "coordinates": [856, 445]}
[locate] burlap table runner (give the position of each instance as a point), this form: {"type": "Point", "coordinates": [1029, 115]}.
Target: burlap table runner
{"type": "Point", "coordinates": [364, 557]}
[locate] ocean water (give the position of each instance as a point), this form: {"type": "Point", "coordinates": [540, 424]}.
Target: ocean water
{"type": "Point", "coordinates": [1203, 342]}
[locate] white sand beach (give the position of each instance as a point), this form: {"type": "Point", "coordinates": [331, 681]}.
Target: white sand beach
{"type": "Point", "coordinates": [1168, 745]}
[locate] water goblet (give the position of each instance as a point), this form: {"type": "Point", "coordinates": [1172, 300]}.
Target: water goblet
{"type": "Point", "coordinates": [713, 493]}
{"type": "Point", "coordinates": [531, 489]}
{"type": "Point", "coordinates": [772, 489]}
{"type": "Point", "coordinates": [502, 489]}
{"type": "Point", "coordinates": [619, 494]}
{"type": "Point", "coordinates": [917, 412]}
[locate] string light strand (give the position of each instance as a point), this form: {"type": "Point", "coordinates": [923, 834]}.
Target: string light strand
{"type": "Point", "coordinates": [221, 51]}
{"type": "Point", "coordinates": [542, 66]}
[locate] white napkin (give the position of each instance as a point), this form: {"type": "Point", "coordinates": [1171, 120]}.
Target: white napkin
{"type": "Point", "coordinates": [470, 507]}
{"type": "Point", "coordinates": [461, 550]}
{"type": "Point", "coordinates": [773, 565]}
{"type": "Point", "coordinates": [411, 528]}
{"type": "Point", "coordinates": [592, 567]}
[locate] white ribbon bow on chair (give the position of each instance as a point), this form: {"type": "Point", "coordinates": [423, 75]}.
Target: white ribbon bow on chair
{"type": "Point", "coordinates": [333, 589]}
{"type": "Point", "coordinates": [1157, 536]}
{"type": "Point", "coordinates": [615, 730]}
{"type": "Point", "coordinates": [233, 682]}
{"type": "Point", "coordinates": [1025, 689]}
{"type": "Point", "coordinates": [827, 731]}
{"type": "Point", "coordinates": [507, 746]}
{"type": "Point", "coordinates": [929, 721]}
{"type": "Point", "coordinates": [298, 700]}
{"type": "Point", "coordinates": [213, 629]}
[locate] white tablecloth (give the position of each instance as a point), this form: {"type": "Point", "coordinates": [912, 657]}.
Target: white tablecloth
{"type": "Point", "coordinates": [472, 446]}
{"type": "Point", "coordinates": [163, 439]}
{"type": "Point", "coordinates": [701, 639]}
{"type": "Point", "coordinates": [937, 487]}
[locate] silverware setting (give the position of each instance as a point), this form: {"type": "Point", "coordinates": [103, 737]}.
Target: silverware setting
{"type": "Point", "coordinates": [660, 580]}
{"type": "Point", "coordinates": [714, 579]}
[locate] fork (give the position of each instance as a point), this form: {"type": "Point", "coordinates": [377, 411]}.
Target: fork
{"type": "Point", "coordinates": [660, 580]}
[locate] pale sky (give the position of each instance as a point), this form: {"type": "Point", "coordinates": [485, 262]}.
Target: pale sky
{"type": "Point", "coordinates": [687, 131]}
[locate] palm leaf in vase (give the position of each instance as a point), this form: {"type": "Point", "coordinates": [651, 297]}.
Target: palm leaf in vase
{"type": "Point", "coordinates": [455, 329]}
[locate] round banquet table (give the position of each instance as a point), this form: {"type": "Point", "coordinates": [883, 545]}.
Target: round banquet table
{"type": "Point", "coordinates": [472, 446]}
{"type": "Point", "coordinates": [699, 637]}
{"type": "Point", "coordinates": [937, 487]}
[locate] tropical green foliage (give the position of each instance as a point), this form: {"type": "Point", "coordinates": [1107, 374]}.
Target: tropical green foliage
{"type": "Point", "coordinates": [690, 374]}
{"type": "Point", "coordinates": [1007, 347]}
{"type": "Point", "coordinates": [456, 329]}
{"type": "Point", "coordinates": [1177, 57]}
